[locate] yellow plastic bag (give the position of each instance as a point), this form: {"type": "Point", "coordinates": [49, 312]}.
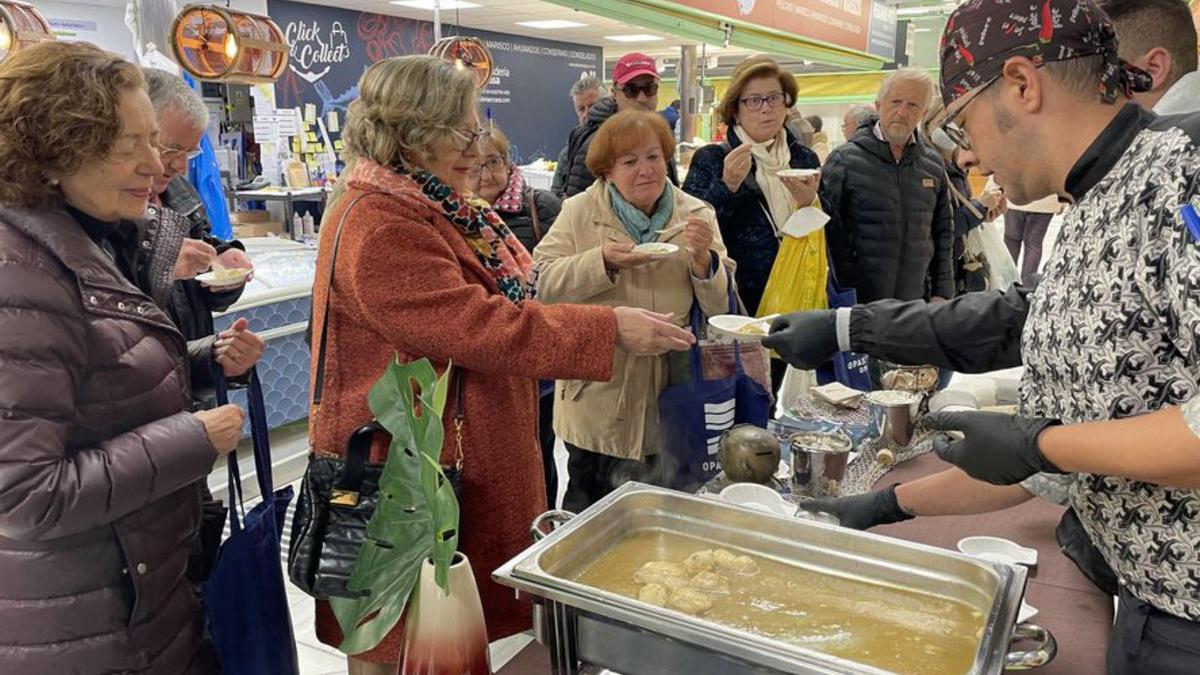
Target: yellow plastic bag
{"type": "Point", "coordinates": [798, 277]}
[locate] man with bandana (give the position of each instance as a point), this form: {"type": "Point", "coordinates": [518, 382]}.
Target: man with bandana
{"type": "Point", "coordinates": [1110, 339]}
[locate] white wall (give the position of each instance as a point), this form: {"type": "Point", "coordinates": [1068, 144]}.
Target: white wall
{"type": "Point", "coordinates": [102, 25]}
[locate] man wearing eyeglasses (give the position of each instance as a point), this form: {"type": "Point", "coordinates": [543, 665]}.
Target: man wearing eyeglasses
{"type": "Point", "coordinates": [635, 87]}
{"type": "Point", "coordinates": [891, 227]}
{"type": "Point", "coordinates": [182, 119]}
{"type": "Point", "coordinates": [1110, 338]}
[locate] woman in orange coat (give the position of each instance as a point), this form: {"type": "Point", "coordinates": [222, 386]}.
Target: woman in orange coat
{"type": "Point", "coordinates": [422, 272]}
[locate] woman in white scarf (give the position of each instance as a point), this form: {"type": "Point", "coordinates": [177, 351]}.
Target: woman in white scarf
{"type": "Point", "coordinates": [754, 204]}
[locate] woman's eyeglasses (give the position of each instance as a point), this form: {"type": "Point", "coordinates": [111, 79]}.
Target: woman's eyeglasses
{"type": "Point", "coordinates": [471, 137]}
{"type": "Point", "coordinates": [494, 165]}
{"type": "Point", "coordinates": [755, 102]}
{"type": "Point", "coordinates": [636, 90]}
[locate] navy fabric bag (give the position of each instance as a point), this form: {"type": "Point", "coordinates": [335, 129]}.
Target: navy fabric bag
{"type": "Point", "coordinates": [245, 596]}
{"type": "Point", "coordinates": [849, 368]}
{"type": "Point", "coordinates": [693, 415]}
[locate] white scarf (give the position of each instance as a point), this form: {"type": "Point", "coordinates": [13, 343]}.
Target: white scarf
{"type": "Point", "coordinates": [769, 159]}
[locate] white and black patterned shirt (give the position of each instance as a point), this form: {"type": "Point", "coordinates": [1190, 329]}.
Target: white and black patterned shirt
{"type": "Point", "coordinates": [1113, 331]}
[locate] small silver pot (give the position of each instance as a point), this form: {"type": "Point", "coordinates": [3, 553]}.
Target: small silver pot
{"type": "Point", "coordinates": [819, 462]}
{"type": "Point", "coordinates": [893, 416]}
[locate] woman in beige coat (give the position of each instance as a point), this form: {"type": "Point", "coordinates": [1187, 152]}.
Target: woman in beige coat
{"type": "Point", "coordinates": [611, 428]}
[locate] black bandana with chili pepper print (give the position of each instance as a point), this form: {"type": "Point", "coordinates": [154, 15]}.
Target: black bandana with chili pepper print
{"type": "Point", "coordinates": [982, 34]}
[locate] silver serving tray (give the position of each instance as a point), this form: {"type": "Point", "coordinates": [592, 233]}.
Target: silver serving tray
{"type": "Point", "coordinates": [609, 630]}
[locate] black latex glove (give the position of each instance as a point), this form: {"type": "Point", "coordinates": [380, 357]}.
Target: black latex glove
{"type": "Point", "coordinates": [804, 339]}
{"type": "Point", "coordinates": [997, 448]}
{"type": "Point", "coordinates": [864, 511]}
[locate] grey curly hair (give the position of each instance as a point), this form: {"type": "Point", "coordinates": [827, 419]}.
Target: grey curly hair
{"type": "Point", "coordinates": [405, 105]}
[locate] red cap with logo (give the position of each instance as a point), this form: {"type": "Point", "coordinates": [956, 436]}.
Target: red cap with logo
{"type": "Point", "coordinates": [631, 66]}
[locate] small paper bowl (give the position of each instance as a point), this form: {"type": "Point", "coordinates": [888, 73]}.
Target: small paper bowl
{"type": "Point", "coordinates": [730, 325]}
{"type": "Point", "coordinates": [998, 549]}
{"type": "Point", "coordinates": [757, 497]}
{"type": "Point", "coordinates": [657, 249]}
{"type": "Point", "coordinates": [797, 173]}
{"type": "Point", "coordinates": [210, 279]}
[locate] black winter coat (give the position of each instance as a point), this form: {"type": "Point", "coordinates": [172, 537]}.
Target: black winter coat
{"type": "Point", "coordinates": [521, 223]}
{"type": "Point", "coordinates": [743, 216]}
{"type": "Point", "coordinates": [891, 228]}
{"type": "Point", "coordinates": [577, 176]}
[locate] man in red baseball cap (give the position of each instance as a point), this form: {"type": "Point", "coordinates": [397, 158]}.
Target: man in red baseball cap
{"type": "Point", "coordinates": [635, 87]}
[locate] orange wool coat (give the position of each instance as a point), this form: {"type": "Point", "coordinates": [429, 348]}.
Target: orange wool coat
{"type": "Point", "coordinates": [407, 283]}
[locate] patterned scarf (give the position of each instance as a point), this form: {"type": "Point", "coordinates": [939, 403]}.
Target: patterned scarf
{"type": "Point", "coordinates": [512, 200]}
{"type": "Point", "coordinates": [493, 243]}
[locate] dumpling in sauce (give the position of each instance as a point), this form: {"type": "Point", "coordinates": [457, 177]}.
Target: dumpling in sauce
{"type": "Point", "coordinates": [654, 594]}
{"type": "Point", "coordinates": [700, 561]}
{"type": "Point", "coordinates": [661, 572]}
{"type": "Point", "coordinates": [710, 582]}
{"type": "Point", "coordinates": [742, 564]}
{"type": "Point", "coordinates": [690, 601]}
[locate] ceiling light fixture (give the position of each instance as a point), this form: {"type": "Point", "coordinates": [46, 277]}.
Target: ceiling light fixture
{"type": "Point", "coordinates": [551, 24]}
{"type": "Point", "coordinates": [226, 45]}
{"type": "Point", "coordinates": [638, 37]}
{"type": "Point", "coordinates": [427, 5]}
{"type": "Point", "coordinates": [21, 26]}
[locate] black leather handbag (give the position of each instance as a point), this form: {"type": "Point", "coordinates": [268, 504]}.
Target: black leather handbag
{"type": "Point", "coordinates": [338, 496]}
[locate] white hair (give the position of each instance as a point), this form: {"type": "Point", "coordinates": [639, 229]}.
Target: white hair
{"type": "Point", "coordinates": [911, 75]}
{"type": "Point", "coordinates": [586, 84]}
{"type": "Point", "coordinates": [860, 113]}
{"type": "Point", "coordinates": [168, 90]}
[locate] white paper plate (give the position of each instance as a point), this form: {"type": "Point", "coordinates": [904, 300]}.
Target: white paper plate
{"type": "Point", "coordinates": [210, 279]}
{"type": "Point", "coordinates": [733, 325]}
{"type": "Point", "coordinates": [656, 248]}
{"type": "Point", "coordinates": [999, 550]}
{"type": "Point", "coordinates": [798, 173]}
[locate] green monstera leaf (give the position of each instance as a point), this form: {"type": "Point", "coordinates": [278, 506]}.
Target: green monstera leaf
{"type": "Point", "coordinates": [417, 515]}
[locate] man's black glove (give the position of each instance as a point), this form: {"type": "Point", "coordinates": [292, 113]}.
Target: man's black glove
{"type": "Point", "coordinates": [864, 511]}
{"type": "Point", "coordinates": [997, 448]}
{"type": "Point", "coordinates": [804, 339]}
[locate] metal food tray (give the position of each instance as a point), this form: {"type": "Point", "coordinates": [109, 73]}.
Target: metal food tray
{"type": "Point", "coordinates": [585, 626]}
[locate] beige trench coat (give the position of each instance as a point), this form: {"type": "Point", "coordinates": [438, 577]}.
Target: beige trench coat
{"type": "Point", "coordinates": [619, 418]}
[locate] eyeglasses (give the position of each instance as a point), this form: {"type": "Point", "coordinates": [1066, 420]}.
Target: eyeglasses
{"type": "Point", "coordinates": [755, 102]}
{"type": "Point", "coordinates": [169, 154]}
{"type": "Point", "coordinates": [636, 90]}
{"type": "Point", "coordinates": [953, 129]}
{"type": "Point", "coordinates": [494, 165]}
{"type": "Point", "coordinates": [471, 137]}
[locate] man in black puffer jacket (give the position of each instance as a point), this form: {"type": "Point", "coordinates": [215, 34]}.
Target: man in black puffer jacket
{"type": "Point", "coordinates": [635, 87]}
{"type": "Point", "coordinates": [891, 233]}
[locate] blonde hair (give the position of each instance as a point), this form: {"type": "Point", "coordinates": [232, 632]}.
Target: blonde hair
{"type": "Point", "coordinates": [911, 75]}
{"type": "Point", "coordinates": [405, 105]}
{"type": "Point", "coordinates": [500, 140]}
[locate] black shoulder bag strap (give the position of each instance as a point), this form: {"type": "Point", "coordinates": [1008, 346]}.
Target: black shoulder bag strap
{"type": "Point", "coordinates": [319, 382]}
{"type": "Point", "coordinates": [531, 197]}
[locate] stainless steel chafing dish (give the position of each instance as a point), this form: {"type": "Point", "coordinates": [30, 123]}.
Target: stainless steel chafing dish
{"type": "Point", "coordinates": [586, 628]}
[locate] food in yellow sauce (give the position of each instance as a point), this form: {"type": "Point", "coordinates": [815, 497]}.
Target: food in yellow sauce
{"type": "Point", "coordinates": [700, 561]}
{"type": "Point", "coordinates": [709, 582]}
{"type": "Point", "coordinates": [654, 594]}
{"type": "Point", "coordinates": [661, 572]}
{"type": "Point", "coordinates": [755, 328]}
{"type": "Point", "coordinates": [891, 628]}
{"type": "Point", "coordinates": [690, 600]}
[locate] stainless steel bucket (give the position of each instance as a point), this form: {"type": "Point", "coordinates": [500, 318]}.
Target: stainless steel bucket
{"type": "Point", "coordinates": [893, 416]}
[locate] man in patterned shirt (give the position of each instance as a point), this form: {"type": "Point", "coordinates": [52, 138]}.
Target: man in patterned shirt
{"type": "Point", "coordinates": [1110, 340]}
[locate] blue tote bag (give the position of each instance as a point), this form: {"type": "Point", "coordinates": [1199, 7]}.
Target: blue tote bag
{"type": "Point", "coordinates": [849, 368]}
{"type": "Point", "coordinates": [245, 597]}
{"type": "Point", "coordinates": [693, 415]}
